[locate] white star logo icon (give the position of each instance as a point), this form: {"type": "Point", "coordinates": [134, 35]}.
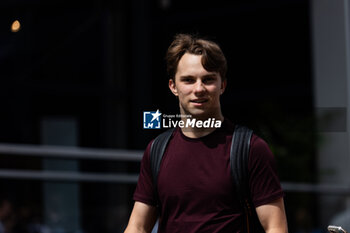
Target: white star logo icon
{"type": "Point", "coordinates": [156, 115]}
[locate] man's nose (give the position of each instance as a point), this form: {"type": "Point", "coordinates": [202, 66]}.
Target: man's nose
{"type": "Point", "coordinates": [199, 86]}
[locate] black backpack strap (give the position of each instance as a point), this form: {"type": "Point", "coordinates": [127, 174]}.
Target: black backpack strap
{"type": "Point", "coordinates": [157, 150]}
{"type": "Point", "coordinates": [239, 156]}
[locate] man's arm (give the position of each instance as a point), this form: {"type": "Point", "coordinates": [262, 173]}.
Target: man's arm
{"type": "Point", "coordinates": [272, 217]}
{"type": "Point", "coordinates": [142, 219]}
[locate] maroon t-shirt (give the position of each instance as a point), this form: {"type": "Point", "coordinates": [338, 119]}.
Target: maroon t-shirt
{"type": "Point", "coordinates": [195, 185]}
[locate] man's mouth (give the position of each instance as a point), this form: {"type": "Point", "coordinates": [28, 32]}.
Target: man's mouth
{"type": "Point", "coordinates": [199, 101]}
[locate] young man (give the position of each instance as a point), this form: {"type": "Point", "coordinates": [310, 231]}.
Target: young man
{"type": "Point", "coordinates": [194, 185]}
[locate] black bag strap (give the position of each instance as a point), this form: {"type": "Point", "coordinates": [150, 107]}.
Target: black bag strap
{"type": "Point", "coordinates": [239, 156]}
{"type": "Point", "coordinates": [157, 150]}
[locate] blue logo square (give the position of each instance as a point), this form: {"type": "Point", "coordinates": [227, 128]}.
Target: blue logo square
{"type": "Point", "coordinates": [151, 120]}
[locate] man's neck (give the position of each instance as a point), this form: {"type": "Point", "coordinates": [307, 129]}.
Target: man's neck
{"type": "Point", "coordinates": [196, 132]}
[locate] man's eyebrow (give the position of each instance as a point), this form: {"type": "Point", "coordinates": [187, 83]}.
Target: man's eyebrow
{"type": "Point", "coordinates": [186, 76]}
{"type": "Point", "coordinates": [210, 75]}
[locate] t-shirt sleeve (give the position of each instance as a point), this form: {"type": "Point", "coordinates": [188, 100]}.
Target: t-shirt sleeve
{"type": "Point", "coordinates": [264, 182]}
{"type": "Point", "coordinates": [144, 191]}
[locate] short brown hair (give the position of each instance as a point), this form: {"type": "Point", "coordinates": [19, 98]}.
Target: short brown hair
{"type": "Point", "coordinates": [213, 59]}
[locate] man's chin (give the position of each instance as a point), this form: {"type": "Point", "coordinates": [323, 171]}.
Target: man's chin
{"type": "Point", "coordinates": [199, 114]}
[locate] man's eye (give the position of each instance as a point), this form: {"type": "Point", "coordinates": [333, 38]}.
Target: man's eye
{"type": "Point", "coordinates": [187, 80]}
{"type": "Point", "coordinates": [208, 80]}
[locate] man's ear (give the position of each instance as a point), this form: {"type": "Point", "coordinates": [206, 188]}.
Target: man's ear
{"type": "Point", "coordinates": [172, 87]}
{"type": "Point", "coordinates": [223, 86]}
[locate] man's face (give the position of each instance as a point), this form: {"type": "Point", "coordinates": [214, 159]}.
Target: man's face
{"type": "Point", "coordinates": [198, 89]}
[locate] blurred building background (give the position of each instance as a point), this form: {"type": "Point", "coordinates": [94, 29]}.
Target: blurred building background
{"type": "Point", "coordinates": [76, 76]}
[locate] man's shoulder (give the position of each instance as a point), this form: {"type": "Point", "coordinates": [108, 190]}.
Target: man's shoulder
{"type": "Point", "coordinates": [260, 151]}
{"type": "Point", "coordinates": [258, 143]}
